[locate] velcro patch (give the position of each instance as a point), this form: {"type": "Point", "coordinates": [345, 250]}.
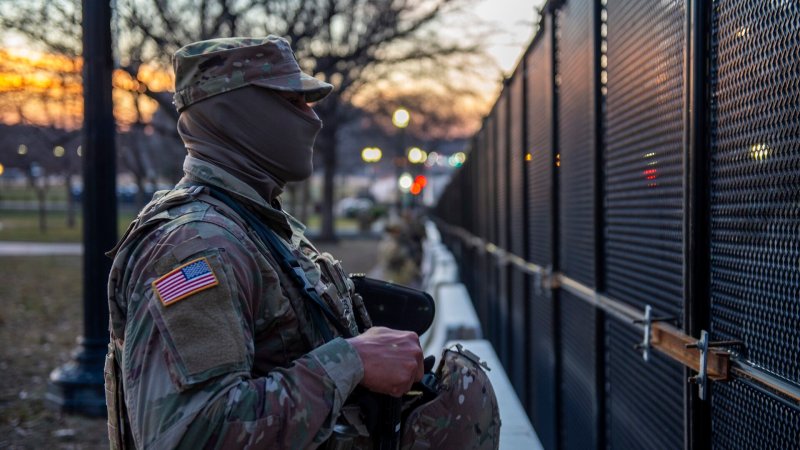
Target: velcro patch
{"type": "Point", "coordinates": [188, 279]}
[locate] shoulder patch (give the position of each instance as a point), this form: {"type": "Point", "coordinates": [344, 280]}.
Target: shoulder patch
{"type": "Point", "coordinates": [188, 279]}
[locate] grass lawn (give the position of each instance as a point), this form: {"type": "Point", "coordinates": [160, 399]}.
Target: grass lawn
{"type": "Point", "coordinates": [28, 194]}
{"type": "Point", "coordinates": [24, 226]}
{"type": "Point", "coordinates": [40, 320]}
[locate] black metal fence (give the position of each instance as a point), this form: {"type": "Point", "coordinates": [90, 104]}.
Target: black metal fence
{"type": "Point", "coordinates": [638, 183]}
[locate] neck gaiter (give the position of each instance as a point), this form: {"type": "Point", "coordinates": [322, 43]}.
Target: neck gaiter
{"type": "Point", "coordinates": [254, 134]}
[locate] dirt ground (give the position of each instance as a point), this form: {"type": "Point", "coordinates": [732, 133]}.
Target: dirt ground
{"type": "Point", "coordinates": [40, 321]}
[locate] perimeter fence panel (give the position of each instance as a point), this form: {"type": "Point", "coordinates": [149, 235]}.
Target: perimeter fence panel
{"type": "Point", "coordinates": [577, 147]}
{"type": "Point", "coordinates": [542, 306]}
{"type": "Point", "coordinates": [493, 330]}
{"type": "Point", "coordinates": [517, 295]}
{"type": "Point", "coordinates": [643, 245]}
{"type": "Point", "coordinates": [645, 399]}
{"type": "Point", "coordinates": [468, 264]}
{"type": "Point", "coordinates": [484, 213]}
{"type": "Point", "coordinates": [503, 222]}
{"type": "Point", "coordinates": [755, 214]}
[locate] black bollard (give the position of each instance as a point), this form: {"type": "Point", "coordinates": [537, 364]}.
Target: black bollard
{"type": "Point", "coordinates": [77, 386]}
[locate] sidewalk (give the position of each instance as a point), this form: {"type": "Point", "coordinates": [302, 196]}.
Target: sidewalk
{"type": "Point", "coordinates": [39, 248]}
{"type": "Point", "coordinates": [357, 252]}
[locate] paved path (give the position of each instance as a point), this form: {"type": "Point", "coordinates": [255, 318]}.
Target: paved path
{"type": "Point", "coordinates": [358, 254]}
{"type": "Point", "coordinates": [39, 248]}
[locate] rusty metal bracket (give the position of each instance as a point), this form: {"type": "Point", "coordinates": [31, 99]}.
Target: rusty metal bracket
{"type": "Point", "coordinates": [687, 350]}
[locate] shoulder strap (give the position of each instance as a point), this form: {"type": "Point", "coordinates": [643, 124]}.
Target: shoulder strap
{"type": "Point", "coordinates": [288, 263]}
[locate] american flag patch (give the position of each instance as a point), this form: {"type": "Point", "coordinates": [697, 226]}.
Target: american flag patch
{"type": "Point", "coordinates": [188, 279]}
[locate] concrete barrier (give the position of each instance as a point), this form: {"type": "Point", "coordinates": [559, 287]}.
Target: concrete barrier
{"type": "Point", "coordinates": [455, 318]}
{"type": "Point", "coordinates": [442, 268]}
{"type": "Point", "coordinates": [457, 322]}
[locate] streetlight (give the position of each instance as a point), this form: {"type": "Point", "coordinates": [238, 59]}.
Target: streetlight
{"type": "Point", "coordinates": [405, 181]}
{"type": "Point", "coordinates": [417, 156]}
{"type": "Point", "coordinates": [401, 118]}
{"type": "Point", "coordinates": [371, 154]}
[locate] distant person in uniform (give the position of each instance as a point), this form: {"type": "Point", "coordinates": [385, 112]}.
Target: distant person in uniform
{"type": "Point", "coordinates": [396, 254]}
{"type": "Point", "coordinates": [214, 344]}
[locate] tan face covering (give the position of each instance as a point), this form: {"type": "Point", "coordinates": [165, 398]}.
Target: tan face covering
{"type": "Point", "coordinates": [254, 134]}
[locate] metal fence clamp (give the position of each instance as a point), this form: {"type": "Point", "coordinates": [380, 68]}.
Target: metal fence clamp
{"type": "Point", "coordinates": [648, 321]}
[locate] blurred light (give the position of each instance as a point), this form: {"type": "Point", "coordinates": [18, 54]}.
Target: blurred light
{"type": "Point", "coordinates": [58, 151]}
{"type": "Point", "coordinates": [760, 152]}
{"type": "Point", "coordinates": [457, 159]}
{"type": "Point", "coordinates": [80, 151]}
{"type": "Point", "coordinates": [2, 169]}
{"type": "Point", "coordinates": [417, 155]}
{"type": "Point", "coordinates": [742, 32]}
{"type": "Point", "coordinates": [405, 181]}
{"type": "Point", "coordinates": [23, 149]}
{"type": "Point", "coordinates": [558, 159]}
{"type": "Point", "coordinates": [401, 117]}
{"type": "Point", "coordinates": [433, 159]}
{"type": "Point", "coordinates": [371, 154]}
{"type": "Point", "coordinates": [421, 181]}
{"type": "Point", "coordinates": [415, 189]}
{"type": "Point", "coordinates": [528, 156]}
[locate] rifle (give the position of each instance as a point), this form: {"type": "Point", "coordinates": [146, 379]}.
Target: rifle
{"type": "Point", "coordinates": [401, 308]}
{"type": "Point", "coordinates": [395, 306]}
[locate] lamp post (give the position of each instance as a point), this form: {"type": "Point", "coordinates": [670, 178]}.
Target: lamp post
{"type": "Point", "coordinates": [77, 386]}
{"type": "Point", "coordinates": [400, 119]}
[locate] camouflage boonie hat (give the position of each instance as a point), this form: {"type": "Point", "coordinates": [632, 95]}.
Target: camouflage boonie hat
{"type": "Point", "coordinates": [207, 68]}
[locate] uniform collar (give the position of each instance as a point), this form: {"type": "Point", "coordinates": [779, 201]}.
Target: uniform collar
{"type": "Point", "coordinates": [196, 170]}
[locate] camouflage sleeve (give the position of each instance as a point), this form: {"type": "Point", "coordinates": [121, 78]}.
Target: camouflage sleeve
{"type": "Point", "coordinates": [188, 359]}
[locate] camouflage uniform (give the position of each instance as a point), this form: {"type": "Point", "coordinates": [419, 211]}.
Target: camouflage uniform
{"type": "Point", "coordinates": [236, 361]}
{"type": "Point", "coordinates": [238, 364]}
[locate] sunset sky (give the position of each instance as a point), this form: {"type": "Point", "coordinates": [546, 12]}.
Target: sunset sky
{"type": "Point", "coordinates": [23, 71]}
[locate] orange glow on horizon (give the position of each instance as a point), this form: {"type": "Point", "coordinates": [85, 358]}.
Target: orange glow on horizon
{"type": "Point", "coordinates": [46, 89]}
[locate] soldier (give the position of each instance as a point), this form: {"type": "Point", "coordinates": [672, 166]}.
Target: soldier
{"type": "Point", "coordinates": [214, 343]}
